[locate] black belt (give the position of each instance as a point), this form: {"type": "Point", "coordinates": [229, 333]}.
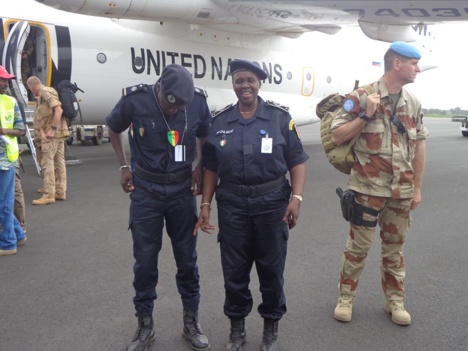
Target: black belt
{"type": "Point", "coordinates": [254, 190]}
{"type": "Point", "coordinates": [163, 178]}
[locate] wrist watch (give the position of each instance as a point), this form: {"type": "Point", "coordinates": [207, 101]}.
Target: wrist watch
{"type": "Point", "coordinates": [299, 197]}
{"type": "Point", "coordinates": [364, 116]}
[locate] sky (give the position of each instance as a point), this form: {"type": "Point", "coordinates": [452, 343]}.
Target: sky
{"type": "Point", "coordinates": [442, 88]}
{"type": "Point", "coordinates": [445, 87]}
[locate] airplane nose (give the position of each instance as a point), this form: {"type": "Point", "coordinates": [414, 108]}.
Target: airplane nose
{"type": "Point", "coordinates": [427, 66]}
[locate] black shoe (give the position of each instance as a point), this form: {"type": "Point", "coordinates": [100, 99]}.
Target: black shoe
{"type": "Point", "coordinates": [270, 335]}
{"type": "Point", "coordinates": [144, 335]}
{"type": "Point", "coordinates": [192, 331]}
{"type": "Point", "coordinates": [237, 337]}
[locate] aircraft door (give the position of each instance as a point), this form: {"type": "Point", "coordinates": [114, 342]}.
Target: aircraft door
{"type": "Point", "coordinates": [308, 81]}
{"type": "Point", "coordinates": [12, 57]}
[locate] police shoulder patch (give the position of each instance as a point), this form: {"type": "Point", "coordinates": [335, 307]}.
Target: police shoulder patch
{"type": "Point", "coordinates": [201, 92]}
{"type": "Point", "coordinates": [348, 105]}
{"type": "Point", "coordinates": [134, 89]}
{"type": "Point", "coordinates": [275, 104]}
{"type": "Point", "coordinates": [224, 109]}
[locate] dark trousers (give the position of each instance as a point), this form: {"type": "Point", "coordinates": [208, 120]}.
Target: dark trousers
{"type": "Point", "coordinates": [244, 240]}
{"type": "Point", "coordinates": [147, 215]}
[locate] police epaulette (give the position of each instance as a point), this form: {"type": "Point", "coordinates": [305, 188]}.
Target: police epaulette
{"type": "Point", "coordinates": [216, 113]}
{"type": "Point", "coordinates": [201, 92]}
{"type": "Point", "coordinates": [275, 104]}
{"type": "Point", "coordinates": [134, 89]}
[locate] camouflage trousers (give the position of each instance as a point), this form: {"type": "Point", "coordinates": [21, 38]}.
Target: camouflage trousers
{"type": "Point", "coordinates": [394, 221]}
{"type": "Point", "coordinates": [53, 167]}
{"type": "Point", "coordinates": [19, 208]}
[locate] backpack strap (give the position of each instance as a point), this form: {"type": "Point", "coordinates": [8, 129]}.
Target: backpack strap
{"type": "Point", "coordinates": [369, 90]}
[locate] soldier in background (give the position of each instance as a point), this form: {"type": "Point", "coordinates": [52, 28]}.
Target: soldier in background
{"type": "Point", "coordinates": [51, 128]}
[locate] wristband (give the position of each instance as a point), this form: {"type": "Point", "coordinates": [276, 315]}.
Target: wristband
{"type": "Point", "coordinates": [205, 203]}
{"type": "Point", "coordinates": [124, 166]}
{"type": "Point", "coordinates": [299, 197]}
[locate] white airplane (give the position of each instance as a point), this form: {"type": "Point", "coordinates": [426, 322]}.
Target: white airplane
{"type": "Point", "coordinates": [136, 39]}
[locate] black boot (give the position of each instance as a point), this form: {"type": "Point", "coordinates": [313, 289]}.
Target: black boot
{"type": "Point", "coordinates": [192, 331]}
{"type": "Point", "coordinates": [144, 335]}
{"type": "Point", "coordinates": [237, 338]}
{"type": "Point", "coordinates": [270, 334]}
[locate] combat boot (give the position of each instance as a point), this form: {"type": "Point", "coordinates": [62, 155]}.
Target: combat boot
{"type": "Point", "coordinates": [43, 201]}
{"type": "Point", "coordinates": [192, 331]}
{"type": "Point", "coordinates": [237, 337]}
{"type": "Point", "coordinates": [344, 308]}
{"type": "Point", "coordinates": [398, 312]}
{"type": "Point", "coordinates": [60, 197]}
{"type": "Point", "coordinates": [144, 335]}
{"type": "Point", "coordinates": [270, 335]}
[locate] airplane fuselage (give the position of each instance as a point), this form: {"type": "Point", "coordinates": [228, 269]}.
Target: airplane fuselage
{"type": "Point", "coordinates": [103, 56]}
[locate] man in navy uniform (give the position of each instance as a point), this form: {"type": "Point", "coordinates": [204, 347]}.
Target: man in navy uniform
{"type": "Point", "coordinates": [169, 123]}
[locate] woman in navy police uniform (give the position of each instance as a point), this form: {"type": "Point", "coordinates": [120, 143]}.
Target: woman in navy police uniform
{"type": "Point", "coordinates": [251, 146]}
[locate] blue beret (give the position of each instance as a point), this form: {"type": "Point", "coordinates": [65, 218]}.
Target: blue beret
{"type": "Point", "coordinates": [405, 49]}
{"type": "Point", "coordinates": [177, 85]}
{"type": "Point", "coordinates": [243, 65]}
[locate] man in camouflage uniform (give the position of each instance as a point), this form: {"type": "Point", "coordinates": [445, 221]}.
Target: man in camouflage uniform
{"type": "Point", "coordinates": [51, 129]}
{"type": "Point", "coordinates": [386, 177]}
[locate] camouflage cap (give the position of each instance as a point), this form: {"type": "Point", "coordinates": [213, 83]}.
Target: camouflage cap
{"type": "Point", "coordinates": [177, 85]}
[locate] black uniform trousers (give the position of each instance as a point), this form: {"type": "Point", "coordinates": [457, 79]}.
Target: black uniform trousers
{"type": "Point", "coordinates": [148, 210]}
{"type": "Point", "coordinates": [247, 239]}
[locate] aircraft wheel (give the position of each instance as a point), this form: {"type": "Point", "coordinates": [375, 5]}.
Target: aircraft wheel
{"type": "Point", "coordinates": [97, 140]}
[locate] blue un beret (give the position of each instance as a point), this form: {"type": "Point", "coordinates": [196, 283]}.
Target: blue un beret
{"type": "Point", "coordinates": [177, 85]}
{"type": "Point", "coordinates": [405, 49]}
{"type": "Point", "coordinates": [243, 65]}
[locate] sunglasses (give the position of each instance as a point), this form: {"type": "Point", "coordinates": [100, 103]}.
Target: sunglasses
{"type": "Point", "coordinates": [397, 123]}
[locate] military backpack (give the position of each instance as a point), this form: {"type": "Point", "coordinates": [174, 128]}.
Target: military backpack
{"type": "Point", "coordinates": [341, 157]}
{"type": "Point", "coordinates": [66, 91]}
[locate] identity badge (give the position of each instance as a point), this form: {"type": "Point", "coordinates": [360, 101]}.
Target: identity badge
{"type": "Point", "coordinates": [179, 153]}
{"type": "Point", "coordinates": [267, 145]}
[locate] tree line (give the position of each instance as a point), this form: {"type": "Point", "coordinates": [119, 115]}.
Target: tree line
{"type": "Point", "coordinates": [434, 112]}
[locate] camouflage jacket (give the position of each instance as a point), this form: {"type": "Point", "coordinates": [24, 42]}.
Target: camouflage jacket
{"type": "Point", "coordinates": [384, 155]}
{"type": "Point", "coordinates": [43, 114]}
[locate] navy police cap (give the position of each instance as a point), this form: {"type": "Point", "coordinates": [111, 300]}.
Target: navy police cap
{"type": "Point", "coordinates": [177, 85]}
{"type": "Point", "coordinates": [405, 49]}
{"type": "Point", "coordinates": [243, 65]}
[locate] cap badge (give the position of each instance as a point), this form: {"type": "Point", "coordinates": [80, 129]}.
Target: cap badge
{"type": "Point", "coordinates": [171, 99]}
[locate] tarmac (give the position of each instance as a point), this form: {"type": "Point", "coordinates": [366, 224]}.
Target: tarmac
{"type": "Point", "coordinates": [70, 286]}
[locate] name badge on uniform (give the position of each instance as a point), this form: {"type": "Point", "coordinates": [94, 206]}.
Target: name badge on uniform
{"type": "Point", "coordinates": [267, 145]}
{"type": "Point", "coordinates": [179, 153]}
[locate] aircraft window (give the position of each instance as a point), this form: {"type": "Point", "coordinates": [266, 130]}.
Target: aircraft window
{"type": "Point", "coordinates": [328, 79]}
{"type": "Point", "coordinates": [102, 58]}
{"type": "Point", "coordinates": [308, 76]}
{"type": "Point", "coordinates": [289, 75]}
